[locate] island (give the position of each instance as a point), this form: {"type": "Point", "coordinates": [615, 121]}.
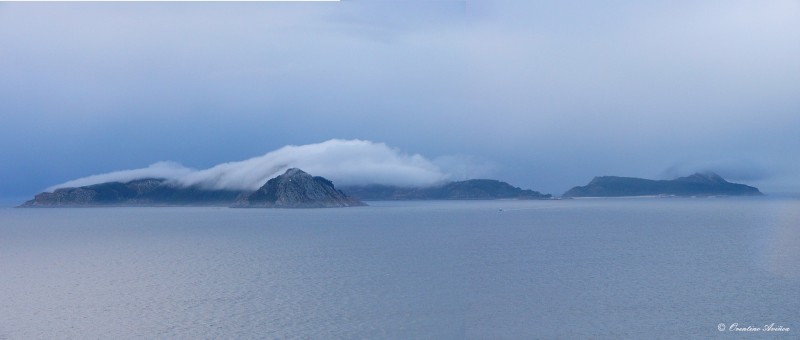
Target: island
{"type": "Point", "coordinates": [140, 192]}
{"type": "Point", "coordinates": [698, 184]}
{"type": "Point", "coordinates": [297, 189]}
{"type": "Point", "coordinates": [293, 189]}
{"type": "Point", "coordinates": [473, 189]}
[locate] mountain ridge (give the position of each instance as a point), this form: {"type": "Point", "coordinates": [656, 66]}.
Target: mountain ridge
{"type": "Point", "coordinates": [472, 189]}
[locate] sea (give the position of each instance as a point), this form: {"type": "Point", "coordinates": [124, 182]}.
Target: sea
{"type": "Point", "coordinates": [610, 268]}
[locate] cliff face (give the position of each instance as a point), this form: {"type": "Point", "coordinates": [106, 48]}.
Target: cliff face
{"type": "Point", "coordinates": [141, 192]}
{"type": "Point", "coordinates": [474, 189]}
{"type": "Point", "coordinates": [297, 189]}
{"type": "Point", "coordinates": [697, 184]}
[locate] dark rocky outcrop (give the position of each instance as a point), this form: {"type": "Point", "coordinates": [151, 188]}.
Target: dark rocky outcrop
{"type": "Point", "coordinates": [297, 189]}
{"type": "Point", "coordinates": [140, 192]}
{"type": "Point", "coordinates": [474, 189]}
{"type": "Point", "coordinates": [708, 184]}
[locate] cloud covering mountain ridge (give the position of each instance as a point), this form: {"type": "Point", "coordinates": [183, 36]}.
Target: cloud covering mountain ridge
{"type": "Point", "coordinates": [346, 162]}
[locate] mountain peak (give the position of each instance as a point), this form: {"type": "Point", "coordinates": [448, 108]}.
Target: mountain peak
{"type": "Point", "coordinates": [292, 172]}
{"type": "Point", "coordinates": [297, 189]}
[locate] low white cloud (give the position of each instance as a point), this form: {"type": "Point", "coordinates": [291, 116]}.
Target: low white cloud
{"type": "Point", "coordinates": [345, 162]}
{"type": "Point", "coordinates": [462, 167]}
{"type": "Point", "coordinates": [731, 169]}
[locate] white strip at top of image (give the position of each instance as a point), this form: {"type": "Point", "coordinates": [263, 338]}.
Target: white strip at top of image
{"type": "Point", "coordinates": [175, 0]}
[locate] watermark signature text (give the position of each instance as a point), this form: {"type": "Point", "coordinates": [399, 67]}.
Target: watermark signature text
{"type": "Point", "coordinates": [736, 327]}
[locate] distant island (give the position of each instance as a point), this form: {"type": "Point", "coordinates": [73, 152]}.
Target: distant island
{"type": "Point", "coordinates": [298, 189]}
{"type": "Point", "coordinates": [140, 192]}
{"type": "Point", "coordinates": [473, 189]}
{"type": "Point", "coordinates": [293, 189]}
{"type": "Point", "coordinates": [698, 184]}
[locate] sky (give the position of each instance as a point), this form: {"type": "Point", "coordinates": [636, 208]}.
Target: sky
{"type": "Point", "coordinates": [543, 95]}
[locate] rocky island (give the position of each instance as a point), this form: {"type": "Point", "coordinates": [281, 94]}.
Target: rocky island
{"type": "Point", "coordinates": [297, 189]}
{"type": "Point", "coordinates": [140, 192]}
{"type": "Point", "coordinates": [698, 184]}
{"type": "Point", "coordinates": [473, 189]}
{"type": "Point", "coordinates": [293, 189]}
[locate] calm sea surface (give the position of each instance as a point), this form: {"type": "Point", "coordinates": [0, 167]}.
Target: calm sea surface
{"type": "Point", "coordinates": [588, 268]}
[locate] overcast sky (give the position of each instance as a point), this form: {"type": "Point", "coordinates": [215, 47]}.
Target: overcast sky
{"type": "Point", "coordinates": [544, 95]}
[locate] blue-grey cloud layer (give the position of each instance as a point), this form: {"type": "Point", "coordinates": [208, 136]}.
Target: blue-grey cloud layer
{"type": "Point", "coordinates": [552, 93]}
